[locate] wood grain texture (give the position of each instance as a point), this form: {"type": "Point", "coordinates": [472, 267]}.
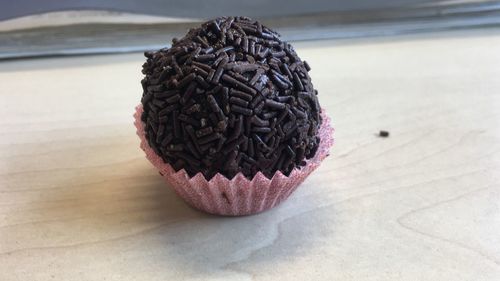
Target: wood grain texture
{"type": "Point", "coordinates": [78, 200]}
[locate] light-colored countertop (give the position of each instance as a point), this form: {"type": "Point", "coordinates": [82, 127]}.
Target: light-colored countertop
{"type": "Point", "coordinates": [79, 201]}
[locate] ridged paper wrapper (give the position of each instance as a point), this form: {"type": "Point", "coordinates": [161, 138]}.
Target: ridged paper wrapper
{"type": "Point", "coordinates": [237, 196]}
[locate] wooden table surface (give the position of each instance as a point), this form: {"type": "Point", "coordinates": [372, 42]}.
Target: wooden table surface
{"type": "Point", "coordinates": [79, 201]}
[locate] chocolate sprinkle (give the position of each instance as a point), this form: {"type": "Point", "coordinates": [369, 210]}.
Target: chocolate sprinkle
{"type": "Point", "coordinates": [383, 134]}
{"type": "Point", "coordinates": [230, 97]}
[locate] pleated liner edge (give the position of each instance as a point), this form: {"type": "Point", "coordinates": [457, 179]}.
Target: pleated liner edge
{"type": "Point", "coordinates": [238, 196]}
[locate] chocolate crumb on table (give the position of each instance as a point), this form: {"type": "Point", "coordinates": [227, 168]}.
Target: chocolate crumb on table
{"type": "Point", "coordinates": [383, 134]}
{"type": "Point", "coordinates": [230, 97]}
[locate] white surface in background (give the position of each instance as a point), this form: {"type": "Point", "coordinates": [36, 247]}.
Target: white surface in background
{"type": "Point", "coordinates": [79, 17]}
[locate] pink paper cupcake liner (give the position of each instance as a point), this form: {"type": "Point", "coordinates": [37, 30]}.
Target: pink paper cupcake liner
{"type": "Point", "coordinates": [238, 196]}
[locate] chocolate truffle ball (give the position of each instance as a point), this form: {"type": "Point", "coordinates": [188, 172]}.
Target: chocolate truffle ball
{"type": "Point", "coordinates": [230, 97]}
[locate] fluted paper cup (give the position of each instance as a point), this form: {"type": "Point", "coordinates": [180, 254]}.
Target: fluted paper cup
{"type": "Point", "coordinates": [237, 196]}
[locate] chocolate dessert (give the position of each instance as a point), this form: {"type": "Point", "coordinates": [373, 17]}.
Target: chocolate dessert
{"type": "Point", "coordinates": [230, 97]}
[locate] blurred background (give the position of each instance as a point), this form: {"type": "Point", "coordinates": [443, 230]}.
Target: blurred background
{"type": "Point", "coordinates": [32, 28]}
